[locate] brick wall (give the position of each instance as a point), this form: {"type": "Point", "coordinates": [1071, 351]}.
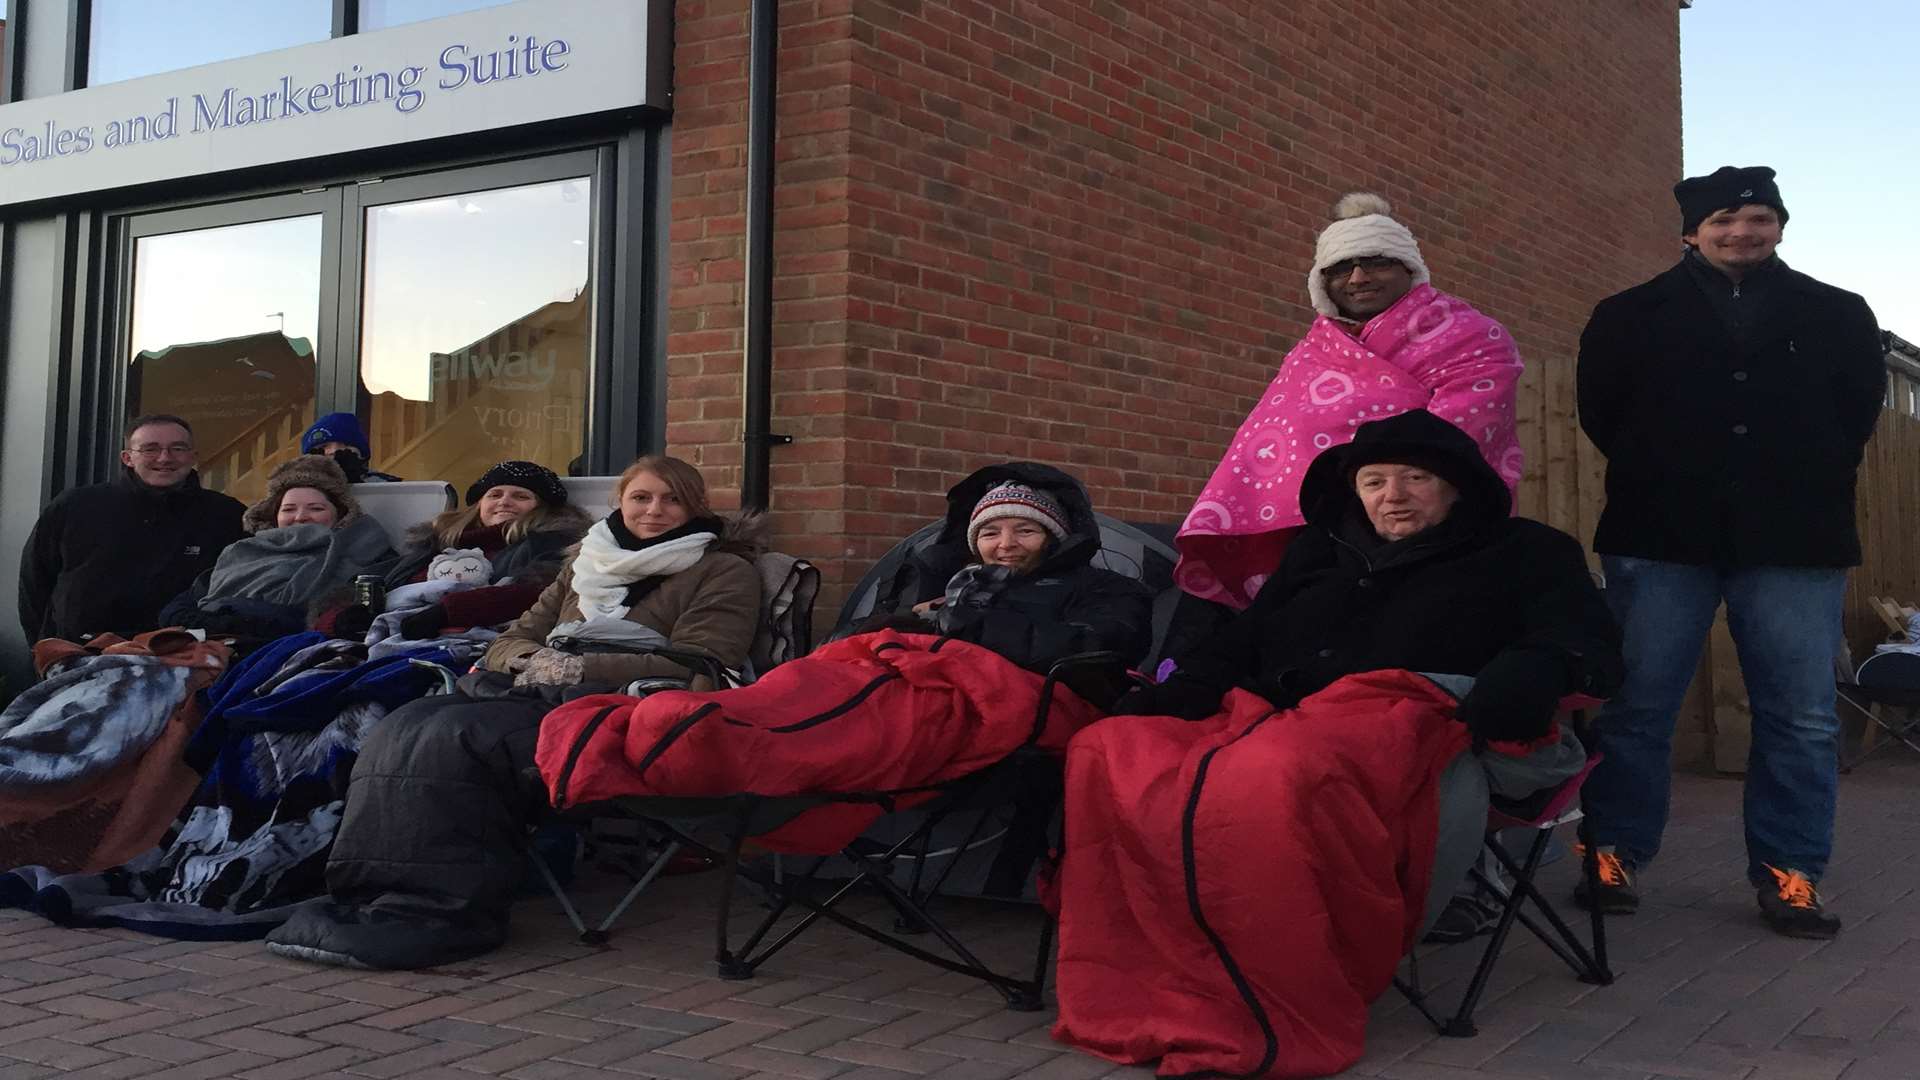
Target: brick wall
{"type": "Point", "coordinates": [1078, 230]}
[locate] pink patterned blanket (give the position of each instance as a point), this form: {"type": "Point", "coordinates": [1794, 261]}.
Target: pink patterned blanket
{"type": "Point", "coordinates": [1428, 351]}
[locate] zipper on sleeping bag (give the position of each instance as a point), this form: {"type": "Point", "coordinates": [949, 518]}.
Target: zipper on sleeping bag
{"type": "Point", "coordinates": [672, 735]}
{"type": "Point", "coordinates": [573, 756]}
{"type": "Point", "coordinates": [1190, 869]}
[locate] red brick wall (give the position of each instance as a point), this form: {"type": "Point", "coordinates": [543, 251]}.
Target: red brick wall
{"type": "Point", "coordinates": [1078, 231]}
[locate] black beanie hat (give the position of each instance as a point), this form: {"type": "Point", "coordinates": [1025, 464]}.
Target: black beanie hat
{"type": "Point", "coordinates": [1727, 188]}
{"type": "Point", "coordinates": [535, 478]}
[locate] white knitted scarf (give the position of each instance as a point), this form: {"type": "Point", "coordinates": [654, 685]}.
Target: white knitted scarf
{"type": "Point", "coordinates": [603, 569]}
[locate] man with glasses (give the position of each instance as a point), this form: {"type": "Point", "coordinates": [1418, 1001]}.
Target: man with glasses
{"type": "Point", "coordinates": [109, 556]}
{"type": "Point", "coordinates": [1733, 398]}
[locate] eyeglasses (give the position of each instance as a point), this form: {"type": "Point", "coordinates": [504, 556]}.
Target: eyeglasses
{"type": "Point", "coordinates": [1372, 264]}
{"type": "Point", "coordinates": [154, 450]}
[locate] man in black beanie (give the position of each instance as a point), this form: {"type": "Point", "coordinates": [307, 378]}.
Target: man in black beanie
{"type": "Point", "coordinates": [1733, 398]}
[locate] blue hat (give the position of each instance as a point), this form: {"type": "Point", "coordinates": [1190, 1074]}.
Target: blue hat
{"type": "Point", "coordinates": [336, 427]}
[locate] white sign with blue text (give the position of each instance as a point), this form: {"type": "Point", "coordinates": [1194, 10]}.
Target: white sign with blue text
{"type": "Point", "coordinates": [517, 63]}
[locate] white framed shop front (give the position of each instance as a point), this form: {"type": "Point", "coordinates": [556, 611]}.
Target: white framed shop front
{"type": "Point", "coordinates": [500, 67]}
{"type": "Point", "coordinates": [453, 227]}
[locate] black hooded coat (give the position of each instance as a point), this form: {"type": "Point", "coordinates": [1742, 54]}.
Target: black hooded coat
{"type": "Point", "coordinates": [1505, 599]}
{"type": "Point", "coordinates": [1063, 606]}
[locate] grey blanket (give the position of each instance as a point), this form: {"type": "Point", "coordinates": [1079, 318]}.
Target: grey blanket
{"type": "Point", "coordinates": [90, 716]}
{"type": "Point", "coordinates": [295, 564]}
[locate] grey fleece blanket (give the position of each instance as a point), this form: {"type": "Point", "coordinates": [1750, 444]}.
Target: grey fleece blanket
{"type": "Point", "coordinates": [294, 564]}
{"type": "Point", "coordinates": [95, 713]}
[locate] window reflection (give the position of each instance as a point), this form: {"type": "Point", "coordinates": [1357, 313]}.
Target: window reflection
{"type": "Point", "coordinates": [224, 326]}
{"type": "Point", "coordinates": [376, 14]}
{"type": "Point", "coordinates": [130, 38]}
{"type": "Point", "coordinates": [476, 334]}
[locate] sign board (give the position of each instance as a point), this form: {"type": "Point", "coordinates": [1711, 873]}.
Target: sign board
{"type": "Point", "coordinates": [517, 63]}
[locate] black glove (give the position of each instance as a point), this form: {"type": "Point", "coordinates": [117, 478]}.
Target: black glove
{"type": "Point", "coordinates": [1185, 698]}
{"type": "Point", "coordinates": [1515, 697]}
{"type": "Point", "coordinates": [353, 622]}
{"type": "Point", "coordinates": [352, 464]}
{"type": "Point", "coordinates": [425, 623]}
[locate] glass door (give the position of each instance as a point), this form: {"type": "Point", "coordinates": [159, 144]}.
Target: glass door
{"type": "Point", "coordinates": [224, 320]}
{"type": "Point", "coordinates": [474, 341]}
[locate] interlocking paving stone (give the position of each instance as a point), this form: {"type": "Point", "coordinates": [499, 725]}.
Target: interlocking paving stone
{"type": "Point", "coordinates": [1704, 992]}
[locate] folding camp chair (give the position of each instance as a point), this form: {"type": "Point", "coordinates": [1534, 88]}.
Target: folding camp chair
{"type": "Point", "coordinates": [899, 869]}
{"type": "Point", "coordinates": [789, 587]}
{"type": "Point", "coordinates": [1884, 683]}
{"type": "Point", "coordinates": [1543, 812]}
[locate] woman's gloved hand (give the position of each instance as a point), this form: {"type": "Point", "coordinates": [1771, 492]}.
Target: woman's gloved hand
{"type": "Point", "coordinates": [425, 623]}
{"type": "Point", "coordinates": [548, 667]}
{"type": "Point", "coordinates": [1515, 697]}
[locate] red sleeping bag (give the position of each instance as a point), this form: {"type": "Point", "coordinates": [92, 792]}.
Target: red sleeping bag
{"type": "Point", "coordinates": [881, 712]}
{"type": "Point", "coordinates": [1235, 892]}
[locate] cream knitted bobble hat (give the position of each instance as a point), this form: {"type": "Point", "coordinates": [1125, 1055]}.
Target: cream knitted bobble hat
{"type": "Point", "coordinates": [1361, 228]}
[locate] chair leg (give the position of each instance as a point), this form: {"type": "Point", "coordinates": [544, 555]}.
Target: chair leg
{"type": "Point", "coordinates": [1575, 953]}
{"type": "Point", "coordinates": [1461, 1026]}
{"type": "Point", "coordinates": [1596, 920]}
{"type": "Point", "coordinates": [566, 902]}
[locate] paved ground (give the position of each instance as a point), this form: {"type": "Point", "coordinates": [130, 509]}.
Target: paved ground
{"type": "Point", "coordinates": [1703, 993]}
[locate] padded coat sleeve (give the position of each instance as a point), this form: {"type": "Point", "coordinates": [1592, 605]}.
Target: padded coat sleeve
{"type": "Point", "coordinates": [1106, 613]}
{"type": "Point", "coordinates": [1861, 375]}
{"type": "Point", "coordinates": [1569, 643]}
{"type": "Point", "coordinates": [39, 569]}
{"type": "Point", "coordinates": [528, 634]}
{"type": "Point", "coordinates": [1601, 377]}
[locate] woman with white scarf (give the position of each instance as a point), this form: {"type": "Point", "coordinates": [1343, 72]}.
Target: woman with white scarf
{"type": "Point", "coordinates": [431, 848]}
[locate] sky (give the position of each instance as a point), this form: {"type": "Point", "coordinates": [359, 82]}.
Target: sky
{"type": "Point", "coordinates": [1826, 94]}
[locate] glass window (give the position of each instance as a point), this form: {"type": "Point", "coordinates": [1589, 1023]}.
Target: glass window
{"type": "Point", "coordinates": [476, 329]}
{"type": "Point", "coordinates": [378, 14]}
{"type": "Point", "coordinates": [224, 325]}
{"type": "Point", "coordinates": [130, 38]}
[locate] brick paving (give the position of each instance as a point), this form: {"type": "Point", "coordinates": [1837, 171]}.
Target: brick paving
{"type": "Point", "coordinates": [1703, 992]}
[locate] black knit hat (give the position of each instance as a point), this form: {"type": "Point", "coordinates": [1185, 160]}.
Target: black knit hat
{"type": "Point", "coordinates": [535, 478]}
{"type": "Point", "coordinates": [1727, 188]}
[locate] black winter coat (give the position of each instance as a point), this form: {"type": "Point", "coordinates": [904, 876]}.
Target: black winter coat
{"type": "Point", "coordinates": [1725, 454]}
{"type": "Point", "coordinates": [109, 556]}
{"type": "Point", "coordinates": [1062, 607]}
{"type": "Point", "coordinates": [1507, 600]}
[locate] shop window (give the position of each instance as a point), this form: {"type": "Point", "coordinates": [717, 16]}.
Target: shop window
{"type": "Point", "coordinates": [130, 38]}
{"type": "Point", "coordinates": [379, 14]}
{"type": "Point", "coordinates": [223, 330]}
{"type": "Point", "coordinates": [476, 324]}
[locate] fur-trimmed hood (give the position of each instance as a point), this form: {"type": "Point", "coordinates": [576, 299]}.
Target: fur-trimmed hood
{"type": "Point", "coordinates": [308, 471]}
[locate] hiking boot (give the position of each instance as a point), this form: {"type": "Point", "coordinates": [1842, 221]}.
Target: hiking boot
{"type": "Point", "coordinates": [1615, 895]}
{"type": "Point", "coordinates": [1791, 907]}
{"type": "Point", "coordinates": [1464, 918]}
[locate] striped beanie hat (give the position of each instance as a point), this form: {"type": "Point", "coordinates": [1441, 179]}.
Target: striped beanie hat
{"type": "Point", "coordinates": [1017, 500]}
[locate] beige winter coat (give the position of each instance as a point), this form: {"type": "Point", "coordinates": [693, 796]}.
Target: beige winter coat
{"type": "Point", "coordinates": [712, 606]}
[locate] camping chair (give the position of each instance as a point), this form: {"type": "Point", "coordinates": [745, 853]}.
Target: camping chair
{"type": "Point", "coordinates": [897, 867]}
{"type": "Point", "coordinates": [1543, 812]}
{"type": "Point", "coordinates": [1884, 682]}
{"type": "Point", "coordinates": [789, 587]}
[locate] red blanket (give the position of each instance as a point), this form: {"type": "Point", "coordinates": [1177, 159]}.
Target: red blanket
{"type": "Point", "coordinates": [882, 712]}
{"type": "Point", "coordinates": [1236, 891]}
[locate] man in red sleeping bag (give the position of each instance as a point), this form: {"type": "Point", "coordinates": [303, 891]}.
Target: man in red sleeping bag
{"type": "Point", "coordinates": [1249, 854]}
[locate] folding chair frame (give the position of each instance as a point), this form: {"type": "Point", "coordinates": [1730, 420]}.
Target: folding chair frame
{"type": "Point", "coordinates": [1869, 703]}
{"type": "Point", "coordinates": [1023, 991]}
{"type": "Point", "coordinates": [1589, 965]}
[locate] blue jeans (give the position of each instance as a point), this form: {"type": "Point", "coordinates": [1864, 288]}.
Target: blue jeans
{"type": "Point", "coordinates": [1786, 629]}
